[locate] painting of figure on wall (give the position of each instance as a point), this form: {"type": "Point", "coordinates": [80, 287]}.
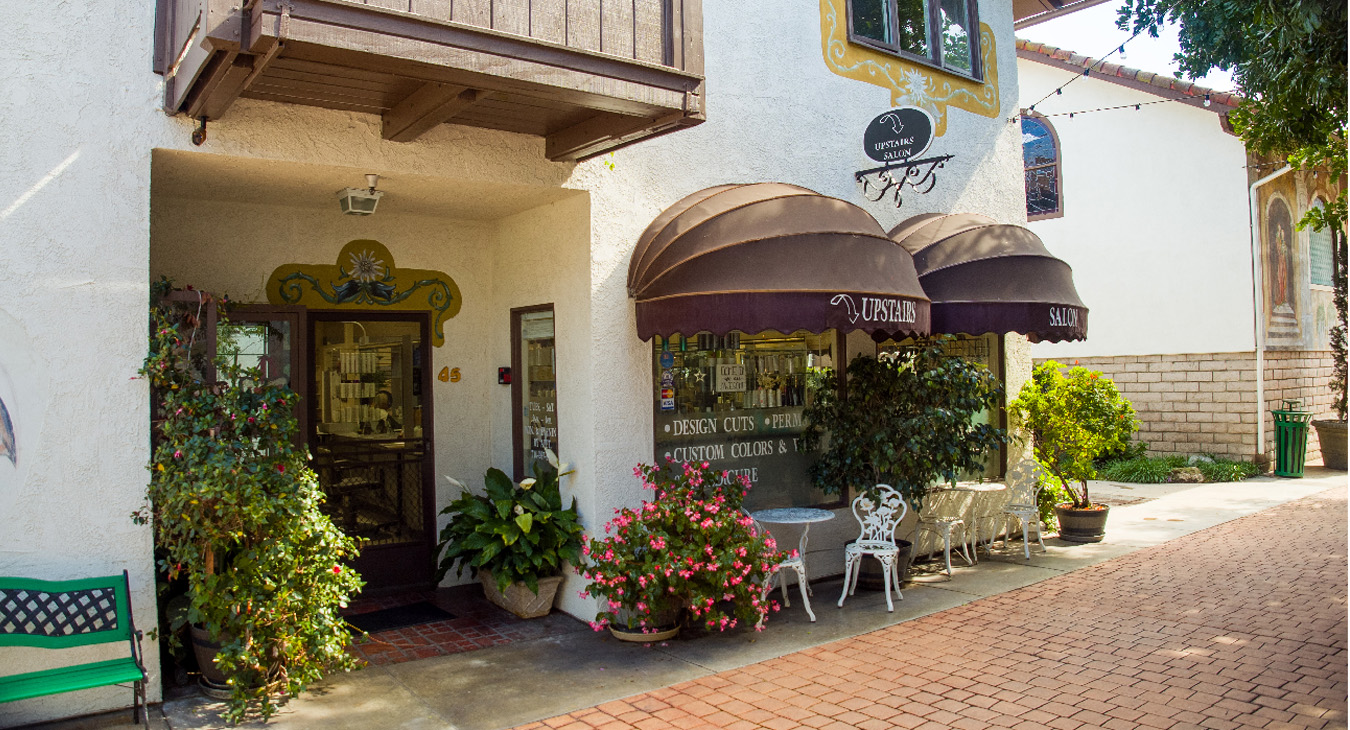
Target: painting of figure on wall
{"type": "Point", "coordinates": [7, 442]}
{"type": "Point", "coordinates": [1278, 257]}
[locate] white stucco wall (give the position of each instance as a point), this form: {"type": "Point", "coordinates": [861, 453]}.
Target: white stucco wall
{"type": "Point", "coordinates": [82, 235]}
{"type": "Point", "coordinates": [73, 243]}
{"type": "Point", "coordinates": [1155, 221]}
{"type": "Point", "coordinates": [775, 113]}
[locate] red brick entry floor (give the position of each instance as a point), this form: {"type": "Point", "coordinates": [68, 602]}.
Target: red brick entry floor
{"type": "Point", "coordinates": [477, 625]}
{"type": "Point", "coordinates": [1239, 626]}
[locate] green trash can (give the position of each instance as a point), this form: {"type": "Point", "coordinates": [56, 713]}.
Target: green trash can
{"type": "Point", "coordinates": [1291, 439]}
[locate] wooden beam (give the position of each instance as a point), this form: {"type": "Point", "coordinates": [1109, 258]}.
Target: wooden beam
{"type": "Point", "coordinates": [425, 108]}
{"type": "Point", "coordinates": [603, 132]}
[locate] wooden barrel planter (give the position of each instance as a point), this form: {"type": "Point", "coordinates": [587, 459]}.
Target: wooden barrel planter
{"type": "Point", "coordinates": [1082, 525]}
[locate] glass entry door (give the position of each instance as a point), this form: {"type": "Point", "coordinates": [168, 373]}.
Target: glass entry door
{"type": "Point", "coordinates": [372, 440]}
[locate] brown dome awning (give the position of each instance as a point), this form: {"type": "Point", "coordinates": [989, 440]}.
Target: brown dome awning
{"type": "Point", "coordinates": [771, 256]}
{"type": "Point", "coordinates": [984, 276]}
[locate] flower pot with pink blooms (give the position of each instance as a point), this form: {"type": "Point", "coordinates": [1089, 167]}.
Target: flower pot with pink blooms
{"type": "Point", "coordinates": [689, 555]}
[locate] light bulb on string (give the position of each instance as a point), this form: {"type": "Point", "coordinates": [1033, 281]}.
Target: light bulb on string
{"type": "Point", "coordinates": [1122, 52]}
{"type": "Point", "coordinates": [1207, 100]}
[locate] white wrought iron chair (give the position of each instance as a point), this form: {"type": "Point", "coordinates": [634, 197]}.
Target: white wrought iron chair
{"type": "Point", "coordinates": [878, 513]}
{"type": "Point", "coordinates": [1025, 482]}
{"type": "Point", "coordinates": [986, 517]}
{"type": "Point", "coordinates": [797, 564]}
{"type": "Point", "coordinates": [946, 527]}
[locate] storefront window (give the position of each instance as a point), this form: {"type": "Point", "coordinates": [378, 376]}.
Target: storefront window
{"type": "Point", "coordinates": [983, 350]}
{"type": "Point", "coordinates": [535, 388]}
{"type": "Point", "coordinates": [736, 402]}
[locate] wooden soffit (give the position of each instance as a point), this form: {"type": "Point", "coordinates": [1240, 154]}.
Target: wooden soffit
{"type": "Point", "coordinates": [416, 71]}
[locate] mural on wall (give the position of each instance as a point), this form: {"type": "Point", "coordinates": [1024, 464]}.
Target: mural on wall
{"type": "Point", "coordinates": [23, 407]}
{"type": "Point", "coordinates": [1280, 281]}
{"type": "Point", "coordinates": [910, 84]}
{"type": "Point", "coordinates": [8, 447]}
{"type": "Point", "coordinates": [365, 277]}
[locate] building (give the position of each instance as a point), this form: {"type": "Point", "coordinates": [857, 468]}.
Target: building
{"type": "Point", "coordinates": [1209, 309]}
{"type": "Point", "coordinates": [521, 148]}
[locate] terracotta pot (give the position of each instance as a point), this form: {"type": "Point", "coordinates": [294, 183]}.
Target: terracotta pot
{"type": "Point", "coordinates": [1331, 436]}
{"type": "Point", "coordinates": [518, 598]}
{"type": "Point", "coordinates": [638, 637]}
{"type": "Point", "coordinates": [1082, 525]}
{"type": "Point", "coordinates": [205, 650]}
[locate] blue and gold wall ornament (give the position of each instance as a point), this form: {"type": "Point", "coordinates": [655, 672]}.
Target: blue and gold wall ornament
{"type": "Point", "coordinates": [365, 277]}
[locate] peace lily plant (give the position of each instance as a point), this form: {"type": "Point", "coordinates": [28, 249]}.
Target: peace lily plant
{"type": "Point", "coordinates": [517, 533]}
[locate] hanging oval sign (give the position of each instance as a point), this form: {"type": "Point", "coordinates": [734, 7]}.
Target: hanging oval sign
{"type": "Point", "coordinates": [899, 134]}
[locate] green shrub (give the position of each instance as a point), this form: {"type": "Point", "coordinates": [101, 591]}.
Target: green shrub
{"type": "Point", "coordinates": [1141, 470]}
{"type": "Point", "coordinates": [905, 419]}
{"type": "Point", "coordinates": [1157, 469]}
{"type": "Point", "coordinates": [1228, 471]}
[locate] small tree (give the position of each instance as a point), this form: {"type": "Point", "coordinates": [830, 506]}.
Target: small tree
{"type": "Point", "coordinates": [905, 419]}
{"type": "Point", "coordinates": [1073, 417]}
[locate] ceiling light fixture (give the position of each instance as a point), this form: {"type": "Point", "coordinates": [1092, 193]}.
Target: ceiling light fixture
{"type": "Point", "coordinates": [360, 201]}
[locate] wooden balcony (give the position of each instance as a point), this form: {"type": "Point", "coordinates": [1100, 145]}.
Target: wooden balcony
{"type": "Point", "coordinates": [587, 75]}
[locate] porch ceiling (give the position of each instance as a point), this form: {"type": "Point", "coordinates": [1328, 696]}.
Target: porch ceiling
{"type": "Point", "coordinates": [200, 176]}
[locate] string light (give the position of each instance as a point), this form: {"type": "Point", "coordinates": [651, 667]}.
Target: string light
{"type": "Point", "coordinates": [1088, 71]}
{"type": "Point", "coordinates": [1206, 99]}
{"type": "Point", "coordinates": [1137, 107]}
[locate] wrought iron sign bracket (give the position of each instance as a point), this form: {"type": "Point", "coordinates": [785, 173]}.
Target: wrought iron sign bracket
{"type": "Point", "coordinates": [880, 182]}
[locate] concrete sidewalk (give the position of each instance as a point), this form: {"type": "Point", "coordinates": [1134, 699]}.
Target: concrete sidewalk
{"type": "Point", "coordinates": [529, 681]}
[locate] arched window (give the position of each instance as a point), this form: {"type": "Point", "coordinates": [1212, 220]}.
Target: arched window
{"type": "Point", "coordinates": [1040, 158]}
{"type": "Point", "coordinates": [1319, 252]}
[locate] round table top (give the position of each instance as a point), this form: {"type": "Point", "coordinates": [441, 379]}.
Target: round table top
{"type": "Point", "coordinates": [973, 487]}
{"type": "Point", "coordinates": [792, 515]}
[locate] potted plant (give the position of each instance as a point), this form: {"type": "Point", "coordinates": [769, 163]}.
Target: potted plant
{"type": "Point", "coordinates": [236, 517]}
{"type": "Point", "coordinates": [906, 419]}
{"type": "Point", "coordinates": [1073, 417]}
{"type": "Point", "coordinates": [1331, 433]}
{"type": "Point", "coordinates": [515, 538]}
{"type": "Point", "coordinates": [690, 548]}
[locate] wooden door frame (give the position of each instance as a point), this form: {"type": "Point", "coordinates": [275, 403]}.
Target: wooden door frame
{"type": "Point", "coordinates": [429, 511]}
{"type": "Point", "coordinates": [517, 394]}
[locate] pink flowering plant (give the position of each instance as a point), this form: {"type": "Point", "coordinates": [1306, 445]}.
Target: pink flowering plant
{"type": "Point", "coordinates": [690, 547]}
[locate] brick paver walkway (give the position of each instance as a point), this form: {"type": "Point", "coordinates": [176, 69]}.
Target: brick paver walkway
{"type": "Point", "coordinates": [1238, 626]}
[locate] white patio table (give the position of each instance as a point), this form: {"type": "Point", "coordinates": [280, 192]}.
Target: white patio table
{"type": "Point", "coordinates": [804, 516]}
{"type": "Point", "coordinates": [974, 502]}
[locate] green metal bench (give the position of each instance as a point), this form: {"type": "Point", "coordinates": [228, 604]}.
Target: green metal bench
{"type": "Point", "coordinates": [69, 613]}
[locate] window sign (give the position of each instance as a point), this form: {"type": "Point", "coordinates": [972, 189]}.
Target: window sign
{"type": "Point", "coordinates": [1320, 256]}
{"type": "Point", "coordinates": [736, 402]}
{"type": "Point", "coordinates": [536, 389]}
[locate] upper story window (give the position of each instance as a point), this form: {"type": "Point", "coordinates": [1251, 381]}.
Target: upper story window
{"type": "Point", "coordinates": [941, 33]}
{"type": "Point", "coordinates": [1319, 253]}
{"type": "Point", "coordinates": [1040, 158]}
